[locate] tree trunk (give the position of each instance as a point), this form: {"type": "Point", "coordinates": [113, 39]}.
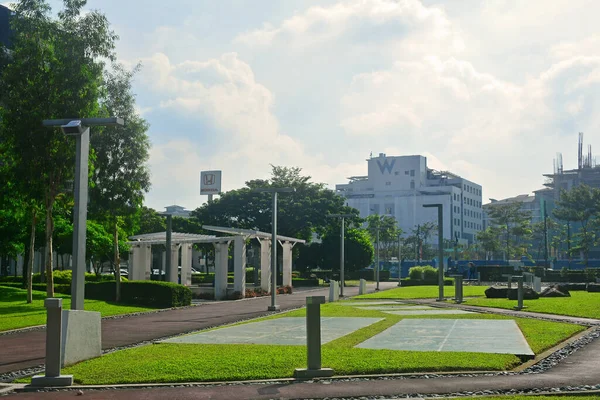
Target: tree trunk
{"type": "Point", "coordinates": [117, 263]}
{"type": "Point", "coordinates": [29, 266]}
{"type": "Point", "coordinates": [49, 232]}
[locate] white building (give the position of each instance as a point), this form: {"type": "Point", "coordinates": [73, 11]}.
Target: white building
{"type": "Point", "coordinates": [400, 186]}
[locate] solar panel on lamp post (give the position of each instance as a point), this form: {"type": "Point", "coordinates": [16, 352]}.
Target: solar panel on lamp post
{"type": "Point", "coordinates": [342, 261]}
{"type": "Point", "coordinates": [440, 248]}
{"type": "Point", "coordinates": [80, 129]}
{"type": "Point", "coordinates": [274, 191]}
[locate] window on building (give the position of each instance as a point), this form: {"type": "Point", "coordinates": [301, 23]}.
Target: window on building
{"type": "Point", "coordinates": [412, 184]}
{"type": "Point", "coordinates": [375, 209]}
{"type": "Point", "coordinates": [412, 172]}
{"type": "Point", "coordinates": [388, 184]}
{"type": "Point", "coordinates": [406, 172]}
{"type": "Point", "coordinates": [389, 209]}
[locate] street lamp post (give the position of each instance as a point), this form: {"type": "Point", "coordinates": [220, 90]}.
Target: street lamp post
{"type": "Point", "coordinates": [80, 129]}
{"type": "Point", "coordinates": [440, 248]}
{"type": "Point", "coordinates": [377, 263]}
{"type": "Point", "coordinates": [274, 191]}
{"type": "Point", "coordinates": [399, 257]}
{"type": "Point", "coordinates": [342, 260]}
{"type": "Point", "coordinates": [455, 250]}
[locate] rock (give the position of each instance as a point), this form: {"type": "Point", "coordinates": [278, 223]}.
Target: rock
{"type": "Point", "coordinates": [528, 294]}
{"type": "Point", "coordinates": [495, 292]}
{"type": "Point", "coordinates": [554, 291]}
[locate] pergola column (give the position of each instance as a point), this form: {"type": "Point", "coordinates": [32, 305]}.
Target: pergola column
{"type": "Point", "coordinates": [135, 262]}
{"type": "Point", "coordinates": [173, 274]}
{"type": "Point", "coordinates": [186, 264]}
{"type": "Point", "coordinates": [239, 265]}
{"type": "Point", "coordinates": [221, 258]}
{"type": "Point", "coordinates": [265, 265]}
{"type": "Point", "coordinates": [287, 263]}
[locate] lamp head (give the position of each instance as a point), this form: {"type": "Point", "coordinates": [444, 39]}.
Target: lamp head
{"type": "Point", "coordinates": [73, 128]}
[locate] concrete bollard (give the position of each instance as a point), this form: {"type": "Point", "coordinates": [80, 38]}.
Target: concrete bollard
{"type": "Point", "coordinates": [52, 376]}
{"type": "Point", "coordinates": [313, 341]}
{"type": "Point", "coordinates": [537, 284]}
{"type": "Point", "coordinates": [334, 291]}
{"type": "Point", "coordinates": [519, 280]}
{"type": "Point", "coordinates": [458, 288]}
{"type": "Point", "coordinates": [362, 287]}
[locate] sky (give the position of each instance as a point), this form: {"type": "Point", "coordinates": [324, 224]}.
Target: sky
{"type": "Point", "coordinates": [490, 90]}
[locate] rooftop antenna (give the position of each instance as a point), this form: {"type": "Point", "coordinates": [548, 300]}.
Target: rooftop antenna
{"type": "Point", "coordinates": [589, 157]}
{"type": "Point", "coordinates": [560, 163]}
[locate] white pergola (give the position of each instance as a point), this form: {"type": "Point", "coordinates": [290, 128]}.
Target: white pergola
{"type": "Point", "coordinates": [140, 257]}
{"type": "Point", "coordinates": [264, 238]}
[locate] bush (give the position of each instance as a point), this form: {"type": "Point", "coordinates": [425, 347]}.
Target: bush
{"type": "Point", "coordinates": [424, 273]}
{"type": "Point", "coordinates": [143, 293]}
{"type": "Point", "coordinates": [300, 282]}
{"type": "Point", "coordinates": [412, 282]}
{"type": "Point", "coordinates": [11, 279]}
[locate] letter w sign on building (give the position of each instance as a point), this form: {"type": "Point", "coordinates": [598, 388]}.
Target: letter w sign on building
{"type": "Point", "coordinates": [210, 182]}
{"type": "Point", "coordinates": [386, 166]}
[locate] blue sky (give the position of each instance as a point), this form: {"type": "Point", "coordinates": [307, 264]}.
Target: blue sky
{"type": "Point", "coordinates": [491, 90]}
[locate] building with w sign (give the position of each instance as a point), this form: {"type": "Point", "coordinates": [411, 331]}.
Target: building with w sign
{"type": "Point", "coordinates": [399, 186]}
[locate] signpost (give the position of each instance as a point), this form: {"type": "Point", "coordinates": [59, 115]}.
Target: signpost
{"type": "Point", "coordinates": [210, 183]}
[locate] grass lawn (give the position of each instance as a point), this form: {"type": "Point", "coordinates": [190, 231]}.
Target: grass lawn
{"type": "Point", "coordinates": [16, 313]}
{"type": "Point", "coordinates": [530, 397]}
{"type": "Point", "coordinates": [580, 304]}
{"type": "Point", "coordinates": [422, 292]}
{"type": "Point", "coordinates": [200, 362]}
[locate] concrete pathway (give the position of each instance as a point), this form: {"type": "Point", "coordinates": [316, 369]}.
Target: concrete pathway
{"type": "Point", "coordinates": [22, 350]}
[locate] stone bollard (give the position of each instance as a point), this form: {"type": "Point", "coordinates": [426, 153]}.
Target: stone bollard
{"type": "Point", "coordinates": [362, 287]}
{"type": "Point", "coordinates": [519, 280]}
{"type": "Point", "coordinates": [313, 341]}
{"type": "Point", "coordinates": [334, 291]}
{"type": "Point", "coordinates": [458, 288]}
{"type": "Point", "coordinates": [52, 376]}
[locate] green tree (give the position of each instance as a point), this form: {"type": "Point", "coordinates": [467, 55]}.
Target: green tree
{"type": "Point", "coordinates": [310, 257]}
{"type": "Point", "coordinates": [121, 177]}
{"type": "Point", "coordinates": [54, 71]}
{"type": "Point", "coordinates": [299, 214]}
{"type": "Point", "coordinates": [358, 250]}
{"type": "Point", "coordinates": [489, 241]}
{"type": "Point", "coordinates": [512, 224]}
{"type": "Point", "coordinates": [388, 233]}
{"type": "Point", "coordinates": [148, 221]}
{"type": "Point", "coordinates": [580, 204]}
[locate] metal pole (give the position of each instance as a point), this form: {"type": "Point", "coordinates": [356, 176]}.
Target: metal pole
{"type": "Point", "coordinates": [168, 244]}
{"type": "Point", "coordinates": [377, 266]}
{"type": "Point", "coordinates": [82, 144]}
{"type": "Point", "coordinates": [545, 236]}
{"type": "Point", "coordinates": [441, 252]}
{"type": "Point", "coordinates": [342, 261]}
{"type": "Point", "coordinates": [274, 306]}
{"type": "Point", "coordinates": [399, 259]}
{"type": "Point", "coordinates": [210, 198]}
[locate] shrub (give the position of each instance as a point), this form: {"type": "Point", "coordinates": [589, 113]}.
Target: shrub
{"type": "Point", "coordinates": [425, 273]}
{"type": "Point", "coordinates": [300, 282]}
{"type": "Point", "coordinates": [412, 282]}
{"type": "Point", "coordinates": [144, 293]}
{"type": "Point", "coordinates": [11, 279]}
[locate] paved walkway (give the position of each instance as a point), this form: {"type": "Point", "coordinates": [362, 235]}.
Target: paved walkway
{"type": "Point", "coordinates": [580, 368]}
{"type": "Point", "coordinates": [27, 349]}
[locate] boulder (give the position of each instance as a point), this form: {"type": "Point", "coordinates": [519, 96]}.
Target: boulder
{"type": "Point", "coordinates": [495, 292]}
{"type": "Point", "coordinates": [528, 294]}
{"type": "Point", "coordinates": [553, 291]}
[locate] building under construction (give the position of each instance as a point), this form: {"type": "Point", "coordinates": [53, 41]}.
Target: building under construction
{"type": "Point", "coordinates": [587, 172]}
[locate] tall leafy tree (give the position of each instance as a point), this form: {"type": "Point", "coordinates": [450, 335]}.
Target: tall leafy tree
{"type": "Point", "coordinates": [55, 71]}
{"type": "Point", "coordinates": [388, 232]}
{"type": "Point", "coordinates": [512, 223]}
{"type": "Point", "coordinates": [358, 250]}
{"type": "Point", "coordinates": [582, 205]}
{"type": "Point", "coordinates": [121, 176]}
{"type": "Point", "coordinates": [299, 214]}
{"type": "Point", "coordinates": [489, 241]}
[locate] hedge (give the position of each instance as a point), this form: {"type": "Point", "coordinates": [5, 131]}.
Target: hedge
{"type": "Point", "coordinates": [413, 282]}
{"type": "Point", "coordinates": [143, 293]}
{"type": "Point", "coordinates": [300, 282]}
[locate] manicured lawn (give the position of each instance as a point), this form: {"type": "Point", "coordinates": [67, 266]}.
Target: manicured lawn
{"type": "Point", "coordinates": [580, 304]}
{"type": "Point", "coordinates": [200, 362]}
{"type": "Point", "coordinates": [423, 292]}
{"type": "Point", "coordinates": [587, 397]}
{"type": "Point", "coordinates": [16, 313]}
